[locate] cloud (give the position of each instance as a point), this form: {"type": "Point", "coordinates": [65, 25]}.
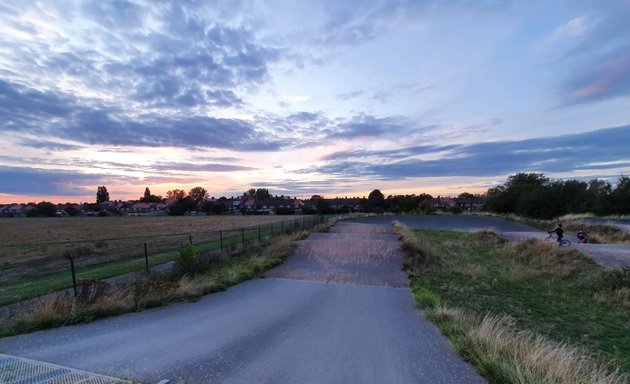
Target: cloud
{"type": "Point", "coordinates": [349, 95]}
{"type": "Point", "coordinates": [30, 181]}
{"type": "Point", "coordinates": [604, 80]}
{"type": "Point", "coordinates": [599, 66]}
{"type": "Point", "coordinates": [201, 167]}
{"type": "Point", "coordinates": [177, 55]}
{"type": "Point", "coordinates": [370, 126]}
{"type": "Point", "coordinates": [57, 115]}
{"type": "Point", "coordinates": [554, 154]}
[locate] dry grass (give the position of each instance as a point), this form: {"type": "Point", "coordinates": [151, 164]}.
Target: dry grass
{"type": "Point", "coordinates": [597, 233]}
{"type": "Point", "coordinates": [97, 299]}
{"type": "Point", "coordinates": [508, 355]}
{"type": "Point", "coordinates": [533, 258]}
{"type": "Point", "coordinates": [112, 237]}
{"type": "Point", "coordinates": [418, 252]}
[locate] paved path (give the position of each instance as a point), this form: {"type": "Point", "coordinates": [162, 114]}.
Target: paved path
{"type": "Point", "coordinates": [276, 330]}
{"type": "Point", "coordinates": [607, 255]}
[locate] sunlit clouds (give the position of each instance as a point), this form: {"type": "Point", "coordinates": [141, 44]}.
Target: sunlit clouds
{"type": "Point", "coordinates": [331, 98]}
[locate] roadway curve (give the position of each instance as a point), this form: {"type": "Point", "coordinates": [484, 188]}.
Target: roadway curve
{"type": "Point", "coordinates": [331, 314]}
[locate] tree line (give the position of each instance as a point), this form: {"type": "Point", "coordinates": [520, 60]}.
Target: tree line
{"type": "Point", "coordinates": [535, 195]}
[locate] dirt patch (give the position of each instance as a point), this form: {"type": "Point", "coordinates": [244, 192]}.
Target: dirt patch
{"type": "Point", "coordinates": [351, 253]}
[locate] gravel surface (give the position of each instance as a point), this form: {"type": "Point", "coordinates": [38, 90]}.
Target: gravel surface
{"type": "Point", "coordinates": [276, 330]}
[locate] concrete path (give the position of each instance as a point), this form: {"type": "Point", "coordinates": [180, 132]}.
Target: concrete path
{"type": "Point", "coordinates": [606, 255]}
{"type": "Point", "coordinates": [277, 330]}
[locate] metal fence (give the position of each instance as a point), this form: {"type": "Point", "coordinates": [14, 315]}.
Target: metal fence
{"type": "Point", "coordinates": [61, 265]}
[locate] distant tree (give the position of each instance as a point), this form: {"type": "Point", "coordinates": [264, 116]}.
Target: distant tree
{"type": "Point", "coordinates": [621, 196]}
{"type": "Point", "coordinates": [376, 195]}
{"type": "Point", "coordinates": [212, 207]}
{"type": "Point", "coordinates": [71, 210]}
{"type": "Point", "coordinates": [46, 209]}
{"type": "Point", "coordinates": [598, 197]}
{"type": "Point", "coordinates": [198, 193]}
{"type": "Point", "coordinates": [178, 194]}
{"type": "Point", "coordinates": [375, 202]}
{"type": "Point", "coordinates": [262, 193]}
{"type": "Point", "coordinates": [322, 206]}
{"type": "Point", "coordinates": [147, 194]}
{"type": "Point", "coordinates": [466, 195]}
{"type": "Point", "coordinates": [148, 197]}
{"type": "Point", "coordinates": [102, 195]}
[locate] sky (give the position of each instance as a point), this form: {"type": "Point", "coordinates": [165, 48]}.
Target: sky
{"type": "Point", "coordinates": [325, 97]}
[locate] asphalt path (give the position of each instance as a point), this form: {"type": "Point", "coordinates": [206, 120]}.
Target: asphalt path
{"type": "Point", "coordinates": [274, 330]}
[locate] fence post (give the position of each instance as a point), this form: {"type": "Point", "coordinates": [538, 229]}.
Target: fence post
{"type": "Point", "coordinates": [243, 236]}
{"type": "Point", "coordinates": [190, 239]}
{"type": "Point", "coordinates": [221, 240]}
{"type": "Point", "coordinates": [303, 222]}
{"type": "Point", "coordinates": [259, 236]}
{"type": "Point", "coordinates": [146, 257]}
{"type": "Point", "coordinates": [74, 275]}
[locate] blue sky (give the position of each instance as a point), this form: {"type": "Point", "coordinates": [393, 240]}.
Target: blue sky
{"type": "Point", "coordinates": [304, 97]}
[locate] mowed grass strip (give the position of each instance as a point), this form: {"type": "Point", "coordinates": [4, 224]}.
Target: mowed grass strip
{"type": "Point", "coordinates": [494, 299]}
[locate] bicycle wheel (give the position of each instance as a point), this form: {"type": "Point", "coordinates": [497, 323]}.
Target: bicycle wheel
{"type": "Point", "coordinates": [565, 243]}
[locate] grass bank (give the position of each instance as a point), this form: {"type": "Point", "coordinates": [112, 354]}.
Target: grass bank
{"type": "Point", "coordinates": [523, 313]}
{"type": "Point", "coordinates": [98, 299]}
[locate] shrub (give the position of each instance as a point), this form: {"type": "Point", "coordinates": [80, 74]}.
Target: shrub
{"type": "Point", "coordinates": [455, 210]}
{"type": "Point", "coordinates": [188, 260]}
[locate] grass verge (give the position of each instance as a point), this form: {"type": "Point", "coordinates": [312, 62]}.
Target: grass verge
{"type": "Point", "coordinates": [523, 313]}
{"type": "Point", "coordinates": [97, 299]}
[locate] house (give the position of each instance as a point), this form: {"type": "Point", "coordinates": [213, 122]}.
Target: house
{"type": "Point", "coordinates": [469, 203]}
{"type": "Point", "coordinates": [441, 202]}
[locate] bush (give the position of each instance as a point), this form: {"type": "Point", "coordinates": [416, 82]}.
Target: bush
{"type": "Point", "coordinates": [455, 210]}
{"type": "Point", "coordinates": [188, 260]}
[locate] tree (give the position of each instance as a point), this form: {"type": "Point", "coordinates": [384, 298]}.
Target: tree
{"type": "Point", "coordinates": [102, 195]}
{"type": "Point", "coordinates": [178, 194]}
{"type": "Point", "coordinates": [46, 209]}
{"type": "Point", "coordinates": [321, 205]}
{"type": "Point", "coordinates": [375, 202]}
{"type": "Point", "coordinates": [198, 193]}
{"type": "Point", "coordinates": [211, 207]}
{"type": "Point", "coordinates": [148, 197]}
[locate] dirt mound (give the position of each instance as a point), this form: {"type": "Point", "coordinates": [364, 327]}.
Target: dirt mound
{"type": "Point", "coordinates": [351, 253]}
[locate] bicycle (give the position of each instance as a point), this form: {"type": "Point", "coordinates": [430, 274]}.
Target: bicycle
{"type": "Point", "coordinates": [562, 243]}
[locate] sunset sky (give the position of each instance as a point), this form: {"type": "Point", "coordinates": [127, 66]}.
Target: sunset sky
{"type": "Point", "coordinates": [308, 97]}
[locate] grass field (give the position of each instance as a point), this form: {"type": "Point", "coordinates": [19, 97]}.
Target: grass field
{"type": "Point", "coordinates": [555, 303]}
{"type": "Point", "coordinates": [33, 254]}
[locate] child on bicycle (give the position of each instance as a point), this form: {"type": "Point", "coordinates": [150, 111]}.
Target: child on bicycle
{"type": "Point", "coordinates": [559, 232]}
{"type": "Point", "coordinates": [581, 235]}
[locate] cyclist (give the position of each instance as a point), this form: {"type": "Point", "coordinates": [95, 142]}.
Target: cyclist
{"type": "Point", "coordinates": [559, 232]}
{"type": "Point", "coordinates": [581, 235]}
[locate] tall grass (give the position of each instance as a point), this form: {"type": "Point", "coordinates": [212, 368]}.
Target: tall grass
{"type": "Point", "coordinates": [525, 313]}
{"type": "Point", "coordinates": [97, 299]}
{"type": "Point", "coordinates": [597, 233]}
{"type": "Point", "coordinates": [505, 354]}
{"type": "Point", "coordinates": [418, 253]}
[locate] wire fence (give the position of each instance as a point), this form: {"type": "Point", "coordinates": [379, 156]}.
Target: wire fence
{"type": "Point", "coordinates": [55, 266]}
